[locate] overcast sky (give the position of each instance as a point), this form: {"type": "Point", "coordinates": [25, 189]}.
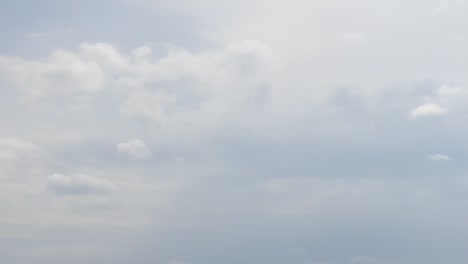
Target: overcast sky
{"type": "Point", "coordinates": [233, 131]}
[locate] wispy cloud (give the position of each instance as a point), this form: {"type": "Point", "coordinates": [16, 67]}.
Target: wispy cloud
{"type": "Point", "coordinates": [439, 157]}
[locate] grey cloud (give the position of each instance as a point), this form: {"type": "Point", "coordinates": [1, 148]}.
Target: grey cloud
{"type": "Point", "coordinates": [135, 148]}
{"type": "Point", "coordinates": [20, 159]}
{"type": "Point", "coordinates": [293, 121]}
{"type": "Point", "coordinates": [439, 157]}
{"type": "Point", "coordinates": [12, 149]}
{"type": "Point", "coordinates": [178, 89]}
{"type": "Point", "coordinates": [79, 184]}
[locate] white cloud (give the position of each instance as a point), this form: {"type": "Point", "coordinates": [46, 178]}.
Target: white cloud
{"type": "Point", "coordinates": [447, 90]}
{"type": "Point", "coordinates": [446, 96]}
{"type": "Point", "coordinates": [439, 157]}
{"type": "Point", "coordinates": [78, 184]}
{"type": "Point", "coordinates": [261, 125]}
{"type": "Point", "coordinates": [63, 72]}
{"type": "Point", "coordinates": [452, 95]}
{"type": "Point", "coordinates": [149, 105]}
{"type": "Point", "coordinates": [134, 147]}
{"type": "Point", "coordinates": [429, 109]}
{"type": "Point", "coordinates": [12, 149]}
{"type": "Point", "coordinates": [178, 90]}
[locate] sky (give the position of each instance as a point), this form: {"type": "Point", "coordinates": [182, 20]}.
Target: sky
{"type": "Point", "coordinates": [227, 132]}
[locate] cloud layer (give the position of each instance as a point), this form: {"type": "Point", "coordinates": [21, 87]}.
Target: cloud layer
{"type": "Point", "coordinates": [207, 132]}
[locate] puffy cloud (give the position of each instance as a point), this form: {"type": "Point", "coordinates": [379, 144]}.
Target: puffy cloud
{"type": "Point", "coordinates": [135, 148]}
{"type": "Point", "coordinates": [439, 157]}
{"type": "Point", "coordinates": [78, 184]}
{"type": "Point", "coordinates": [63, 72]}
{"type": "Point", "coordinates": [259, 122]}
{"type": "Point", "coordinates": [445, 97]}
{"type": "Point", "coordinates": [429, 109]}
{"type": "Point", "coordinates": [92, 66]}
{"type": "Point", "coordinates": [174, 88]}
{"type": "Point", "coordinates": [201, 88]}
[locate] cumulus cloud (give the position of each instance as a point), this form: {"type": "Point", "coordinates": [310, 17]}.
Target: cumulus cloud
{"type": "Point", "coordinates": [446, 96]}
{"type": "Point", "coordinates": [429, 109]}
{"type": "Point", "coordinates": [264, 109]}
{"type": "Point", "coordinates": [78, 184]}
{"type": "Point", "coordinates": [63, 72]}
{"type": "Point", "coordinates": [199, 89]}
{"type": "Point", "coordinates": [135, 148]}
{"type": "Point", "coordinates": [439, 157]}
{"type": "Point", "coordinates": [92, 66]}
{"type": "Point", "coordinates": [173, 88]}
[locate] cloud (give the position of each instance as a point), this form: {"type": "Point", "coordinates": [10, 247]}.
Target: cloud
{"type": "Point", "coordinates": [199, 89]}
{"type": "Point", "coordinates": [135, 148]}
{"type": "Point", "coordinates": [175, 89]}
{"type": "Point", "coordinates": [78, 184]}
{"type": "Point", "coordinates": [453, 96]}
{"type": "Point", "coordinates": [447, 90]}
{"type": "Point", "coordinates": [92, 67]}
{"type": "Point", "coordinates": [63, 72]}
{"type": "Point", "coordinates": [20, 159]}
{"type": "Point", "coordinates": [439, 157]}
{"type": "Point", "coordinates": [446, 96]}
{"type": "Point", "coordinates": [254, 121]}
{"type": "Point", "coordinates": [12, 150]}
{"type": "Point", "coordinates": [429, 109]}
